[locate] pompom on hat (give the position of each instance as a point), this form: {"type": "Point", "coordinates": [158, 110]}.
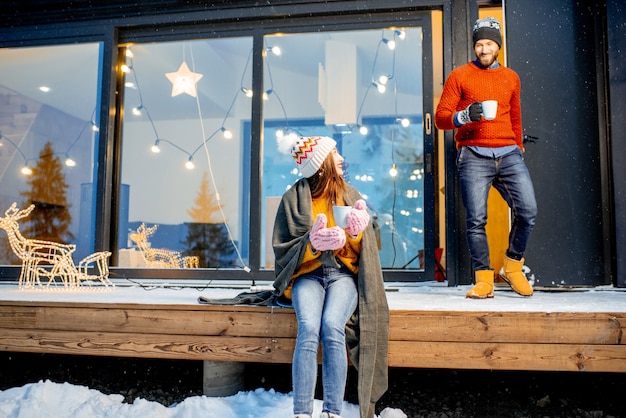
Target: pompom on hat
{"type": "Point", "coordinates": [487, 28]}
{"type": "Point", "coordinates": [308, 152]}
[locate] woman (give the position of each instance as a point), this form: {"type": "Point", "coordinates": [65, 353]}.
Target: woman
{"type": "Point", "coordinates": [333, 278]}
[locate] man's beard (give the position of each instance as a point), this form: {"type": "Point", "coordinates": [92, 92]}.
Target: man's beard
{"type": "Point", "coordinates": [488, 59]}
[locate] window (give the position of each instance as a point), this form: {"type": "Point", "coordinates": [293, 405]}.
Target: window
{"type": "Point", "coordinates": [48, 145]}
{"type": "Point", "coordinates": [182, 197]}
{"type": "Point", "coordinates": [364, 89]}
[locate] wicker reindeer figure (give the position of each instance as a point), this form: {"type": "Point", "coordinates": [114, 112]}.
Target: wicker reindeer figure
{"type": "Point", "coordinates": [50, 260]}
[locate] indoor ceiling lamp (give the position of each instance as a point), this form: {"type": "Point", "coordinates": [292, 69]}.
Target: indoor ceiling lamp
{"type": "Point", "coordinates": [184, 81]}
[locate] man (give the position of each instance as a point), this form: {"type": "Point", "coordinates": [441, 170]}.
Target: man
{"type": "Point", "coordinates": [490, 154]}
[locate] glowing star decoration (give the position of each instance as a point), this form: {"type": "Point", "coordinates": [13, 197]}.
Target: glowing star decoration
{"type": "Point", "coordinates": [184, 81]}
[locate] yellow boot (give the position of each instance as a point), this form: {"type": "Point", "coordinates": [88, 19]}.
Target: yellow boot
{"type": "Point", "coordinates": [511, 273]}
{"type": "Point", "coordinates": [484, 285]}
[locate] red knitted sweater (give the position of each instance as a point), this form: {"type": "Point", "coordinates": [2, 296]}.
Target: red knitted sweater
{"type": "Point", "coordinates": [468, 84]}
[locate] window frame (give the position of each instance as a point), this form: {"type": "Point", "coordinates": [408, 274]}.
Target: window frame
{"type": "Point", "coordinates": [114, 36]}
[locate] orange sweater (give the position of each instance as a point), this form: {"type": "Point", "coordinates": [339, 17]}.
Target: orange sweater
{"type": "Point", "coordinates": [470, 83]}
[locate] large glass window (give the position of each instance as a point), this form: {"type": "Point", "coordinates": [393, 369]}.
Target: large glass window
{"type": "Point", "coordinates": [183, 194]}
{"type": "Point", "coordinates": [48, 145]}
{"type": "Point", "coordinates": [364, 89]}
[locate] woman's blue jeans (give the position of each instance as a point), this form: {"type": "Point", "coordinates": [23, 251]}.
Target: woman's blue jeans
{"type": "Point", "coordinates": [324, 300]}
{"type": "Point", "coordinates": [509, 176]}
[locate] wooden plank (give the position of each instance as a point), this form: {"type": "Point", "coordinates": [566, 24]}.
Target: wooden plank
{"type": "Point", "coordinates": [553, 357]}
{"type": "Point", "coordinates": [433, 339]}
{"type": "Point", "coordinates": [17, 316]}
{"type": "Point", "coordinates": [184, 347]}
{"type": "Point", "coordinates": [279, 323]}
{"type": "Point", "coordinates": [511, 327]}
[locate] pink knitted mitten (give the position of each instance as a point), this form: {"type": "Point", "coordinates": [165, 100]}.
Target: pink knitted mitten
{"type": "Point", "coordinates": [357, 218]}
{"type": "Point", "coordinates": [323, 238]}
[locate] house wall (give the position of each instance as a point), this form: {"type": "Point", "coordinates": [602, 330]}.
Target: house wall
{"type": "Point", "coordinates": [562, 50]}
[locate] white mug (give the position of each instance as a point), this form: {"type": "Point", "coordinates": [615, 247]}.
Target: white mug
{"type": "Point", "coordinates": [490, 108]}
{"type": "Point", "coordinates": [340, 213]}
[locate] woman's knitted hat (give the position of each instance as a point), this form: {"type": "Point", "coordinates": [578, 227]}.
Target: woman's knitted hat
{"type": "Point", "coordinates": [487, 28]}
{"type": "Point", "coordinates": [309, 152]}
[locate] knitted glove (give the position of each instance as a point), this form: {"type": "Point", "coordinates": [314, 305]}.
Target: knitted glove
{"type": "Point", "coordinates": [471, 113]}
{"type": "Point", "coordinates": [323, 238]}
{"type": "Point", "coordinates": [358, 218]}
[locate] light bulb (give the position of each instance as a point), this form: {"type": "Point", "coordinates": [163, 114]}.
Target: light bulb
{"type": "Point", "coordinates": [26, 170]}
{"type": "Point", "coordinates": [363, 130]}
{"type": "Point", "coordinates": [381, 88]}
{"type": "Point", "coordinates": [189, 165]}
{"type": "Point", "coordinates": [137, 110]}
{"type": "Point", "coordinates": [155, 148]}
{"type": "Point", "coordinates": [125, 68]}
{"type": "Point", "coordinates": [393, 171]}
{"type": "Point", "coordinates": [226, 133]}
{"type": "Point", "coordinates": [70, 162]}
{"type": "Point", "coordinates": [391, 44]}
{"type": "Point", "coordinates": [405, 122]}
{"type": "Point", "coordinates": [383, 79]}
{"type": "Point", "coordinates": [276, 50]}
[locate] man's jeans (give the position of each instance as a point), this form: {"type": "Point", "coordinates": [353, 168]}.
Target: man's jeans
{"type": "Point", "coordinates": [509, 175]}
{"type": "Point", "coordinates": [324, 300]}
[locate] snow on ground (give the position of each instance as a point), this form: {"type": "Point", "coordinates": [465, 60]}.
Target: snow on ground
{"type": "Point", "coordinates": [46, 399]}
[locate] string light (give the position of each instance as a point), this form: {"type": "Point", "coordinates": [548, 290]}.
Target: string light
{"type": "Point", "coordinates": [25, 169]}
{"type": "Point", "coordinates": [393, 171]}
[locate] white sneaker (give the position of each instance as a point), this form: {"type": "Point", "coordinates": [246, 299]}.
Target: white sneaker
{"type": "Point", "coordinates": [329, 415]}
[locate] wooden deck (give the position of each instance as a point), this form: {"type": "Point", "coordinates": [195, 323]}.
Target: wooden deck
{"type": "Point", "coordinates": [430, 327]}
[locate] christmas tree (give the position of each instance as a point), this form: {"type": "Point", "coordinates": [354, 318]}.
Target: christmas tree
{"type": "Point", "coordinates": [207, 236]}
{"type": "Point", "coordinates": [51, 218]}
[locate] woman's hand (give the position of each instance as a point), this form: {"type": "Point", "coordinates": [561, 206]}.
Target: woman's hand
{"type": "Point", "coordinates": [358, 218]}
{"type": "Point", "coordinates": [323, 238]}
